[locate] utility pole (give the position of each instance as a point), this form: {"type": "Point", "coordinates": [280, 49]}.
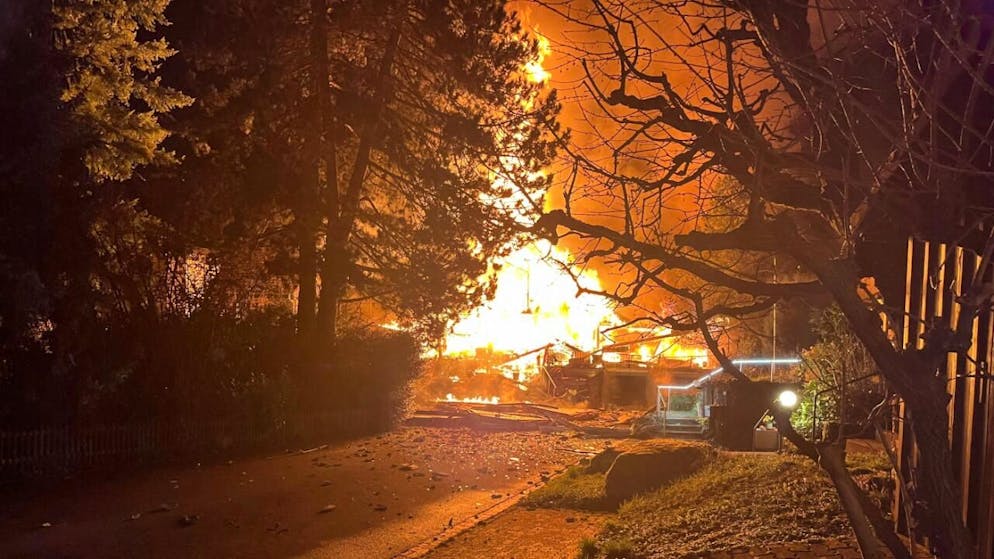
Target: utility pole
{"type": "Point", "coordinates": [773, 364]}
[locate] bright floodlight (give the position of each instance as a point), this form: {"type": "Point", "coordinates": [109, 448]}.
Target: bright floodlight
{"type": "Point", "coordinates": [787, 398]}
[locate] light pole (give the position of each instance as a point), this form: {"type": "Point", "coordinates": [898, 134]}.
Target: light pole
{"type": "Point", "coordinates": [773, 363]}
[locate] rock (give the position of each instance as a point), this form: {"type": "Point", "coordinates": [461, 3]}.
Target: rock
{"type": "Point", "coordinates": [602, 461]}
{"type": "Point", "coordinates": [379, 508]}
{"type": "Point", "coordinates": [407, 467]}
{"type": "Point", "coordinates": [188, 520]}
{"type": "Point", "coordinates": [647, 465]}
{"type": "Point", "coordinates": [327, 509]}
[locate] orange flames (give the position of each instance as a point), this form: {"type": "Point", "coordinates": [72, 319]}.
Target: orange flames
{"type": "Point", "coordinates": [536, 303]}
{"type": "Point", "coordinates": [534, 69]}
{"type": "Point", "coordinates": [474, 400]}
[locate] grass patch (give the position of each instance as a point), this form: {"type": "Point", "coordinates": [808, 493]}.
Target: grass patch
{"type": "Point", "coordinates": [620, 548]}
{"type": "Point", "coordinates": [588, 549]}
{"type": "Point", "coordinates": [572, 490]}
{"type": "Point", "coordinates": [734, 501]}
{"type": "Point", "coordinates": [872, 473]}
{"type": "Point", "coordinates": [867, 462]}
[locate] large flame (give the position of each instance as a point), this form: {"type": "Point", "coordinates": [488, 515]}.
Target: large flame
{"type": "Point", "coordinates": [534, 69]}
{"type": "Point", "coordinates": [536, 303]}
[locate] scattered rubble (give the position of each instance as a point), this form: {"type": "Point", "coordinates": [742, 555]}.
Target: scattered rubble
{"type": "Point", "coordinates": [526, 417]}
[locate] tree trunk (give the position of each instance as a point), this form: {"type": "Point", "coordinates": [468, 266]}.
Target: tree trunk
{"type": "Point", "coordinates": [925, 398]}
{"type": "Point", "coordinates": [325, 149]}
{"type": "Point", "coordinates": [306, 277]}
{"type": "Point", "coordinates": [308, 211]}
{"type": "Point", "coordinates": [832, 459]}
{"type": "Point", "coordinates": [334, 272]}
{"type": "Point", "coordinates": [936, 480]}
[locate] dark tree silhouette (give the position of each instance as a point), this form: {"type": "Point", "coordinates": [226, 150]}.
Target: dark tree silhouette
{"type": "Point", "coordinates": [840, 128]}
{"type": "Point", "coordinates": [426, 153]}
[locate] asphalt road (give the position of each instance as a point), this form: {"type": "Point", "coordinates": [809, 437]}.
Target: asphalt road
{"type": "Point", "coordinates": [371, 498]}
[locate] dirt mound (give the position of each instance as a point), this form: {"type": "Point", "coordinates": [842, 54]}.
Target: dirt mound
{"type": "Point", "coordinates": [646, 465]}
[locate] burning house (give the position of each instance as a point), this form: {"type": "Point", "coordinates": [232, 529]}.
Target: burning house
{"type": "Point", "coordinates": [545, 334]}
{"type": "Point", "coordinates": [624, 374]}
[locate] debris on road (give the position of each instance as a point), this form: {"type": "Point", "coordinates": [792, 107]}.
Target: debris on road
{"type": "Point", "coordinates": [483, 416]}
{"type": "Point", "coordinates": [164, 507]}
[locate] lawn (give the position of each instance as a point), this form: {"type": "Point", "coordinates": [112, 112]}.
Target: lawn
{"type": "Point", "coordinates": [738, 500]}
{"type": "Point", "coordinates": [572, 490]}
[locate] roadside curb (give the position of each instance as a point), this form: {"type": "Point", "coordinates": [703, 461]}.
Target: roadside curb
{"type": "Point", "coordinates": [427, 546]}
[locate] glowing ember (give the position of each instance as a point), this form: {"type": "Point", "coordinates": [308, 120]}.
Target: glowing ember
{"type": "Point", "coordinates": [473, 400]}
{"type": "Point", "coordinates": [696, 355]}
{"type": "Point", "coordinates": [536, 303]}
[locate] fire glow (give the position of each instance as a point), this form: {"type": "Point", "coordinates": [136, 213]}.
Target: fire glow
{"type": "Point", "coordinates": [534, 69]}
{"type": "Point", "coordinates": [536, 303]}
{"type": "Point", "coordinates": [493, 400]}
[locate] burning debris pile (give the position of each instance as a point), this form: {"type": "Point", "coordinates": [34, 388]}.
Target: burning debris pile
{"type": "Point", "coordinates": [539, 340]}
{"type": "Point", "coordinates": [536, 303]}
{"type": "Point", "coordinates": [546, 336]}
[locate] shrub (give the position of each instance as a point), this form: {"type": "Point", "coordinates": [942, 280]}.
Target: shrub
{"type": "Point", "coordinates": [373, 369]}
{"type": "Point", "coordinates": [588, 549]}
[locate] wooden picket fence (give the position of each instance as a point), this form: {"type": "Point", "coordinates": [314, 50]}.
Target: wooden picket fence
{"type": "Point", "coordinates": [63, 450]}
{"type": "Point", "coordinates": [937, 275]}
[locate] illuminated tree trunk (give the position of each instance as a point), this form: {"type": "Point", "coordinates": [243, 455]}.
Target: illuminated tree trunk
{"type": "Point", "coordinates": [936, 476]}
{"type": "Point", "coordinates": [307, 276]}
{"type": "Point", "coordinates": [307, 212]}
{"type": "Point", "coordinates": [322, 153]}
{"type": "Point", "coordinates": [342, 212]}
{"type": "Point", "coordinates": [925, 397]}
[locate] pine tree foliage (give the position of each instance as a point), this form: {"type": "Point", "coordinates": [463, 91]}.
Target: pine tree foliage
{"type": "Point", "coordinates": [115, 96]}
{"type": "Point", "coordinates": [456, 137]}
{"type": "Point", "coordinates": [169, 290]}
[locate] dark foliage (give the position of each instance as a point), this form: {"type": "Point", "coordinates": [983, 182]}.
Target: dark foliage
{"type": "Point", "coordinates": [169, 168]}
